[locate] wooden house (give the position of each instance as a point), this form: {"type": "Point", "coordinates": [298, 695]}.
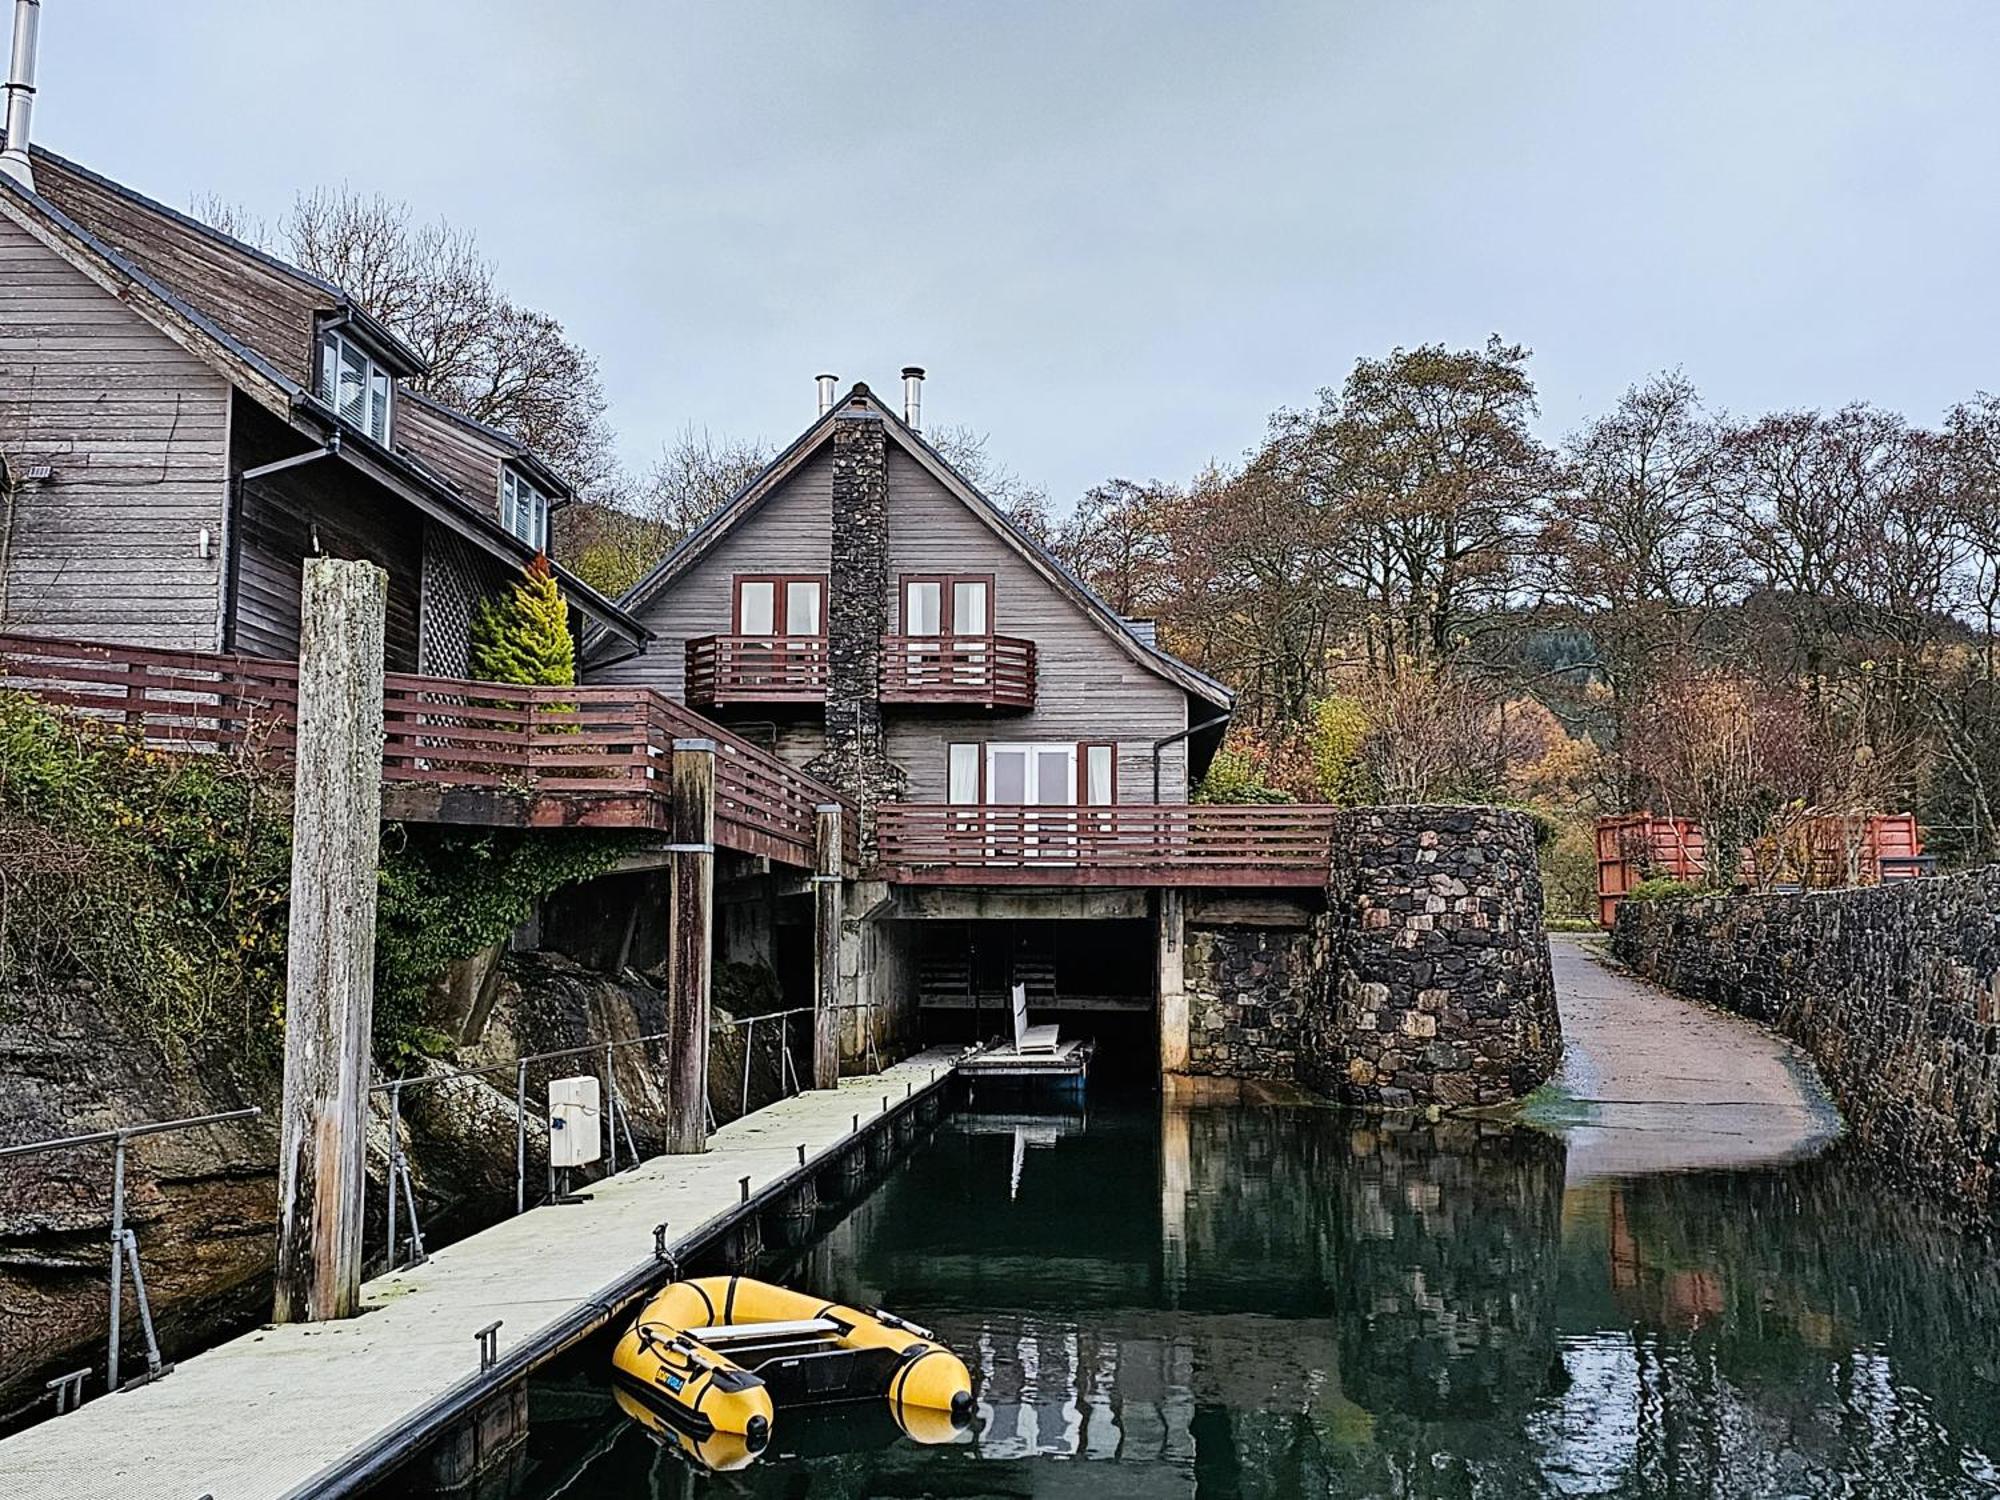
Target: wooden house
{"type": "Point", "coordinates": [184, 418]}
{"type": "Point", "coordinates": [1021, 758]}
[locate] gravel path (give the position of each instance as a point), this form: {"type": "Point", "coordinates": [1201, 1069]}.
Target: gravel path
{"type": "Point", "coordinates": [1654, 1083]}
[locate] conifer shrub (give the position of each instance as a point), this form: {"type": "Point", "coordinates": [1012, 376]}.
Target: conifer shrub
{"type": "Point", "coordinates": [522, 634]}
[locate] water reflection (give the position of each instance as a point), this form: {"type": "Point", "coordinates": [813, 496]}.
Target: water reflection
{"type": "Point", "coordinates": [1235, 1301]}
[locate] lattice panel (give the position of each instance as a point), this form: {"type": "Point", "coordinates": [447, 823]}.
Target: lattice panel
{"type": "Point", "coordinates": [451, 596]}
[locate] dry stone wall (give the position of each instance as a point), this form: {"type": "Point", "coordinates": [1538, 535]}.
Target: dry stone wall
{"type": "Point", "coordinates": [1894, 990]}
{"type": "Point", "coordinates": [1424, 981]}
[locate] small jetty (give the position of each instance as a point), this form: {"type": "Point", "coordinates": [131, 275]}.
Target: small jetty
{"type": "Point", "coordinates": [1037, 1057]}
{"type": "Point", "coordinates": [325, 1409]}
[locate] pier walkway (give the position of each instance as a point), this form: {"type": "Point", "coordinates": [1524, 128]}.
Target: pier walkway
{"type": "Point", "coordinates": [313, 1409]}
{"type": "Point", "coordinates": [1652, 1082]}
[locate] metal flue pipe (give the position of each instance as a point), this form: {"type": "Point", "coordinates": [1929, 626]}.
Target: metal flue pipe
{"type": "Point", "coordinates": [21, 93]}
{"type": "Point", "coordinates": [913, 397]}
{"type": "Point", "coordinates": [826, 384]}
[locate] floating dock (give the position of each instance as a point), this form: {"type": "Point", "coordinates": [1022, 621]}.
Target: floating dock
{"type": "Point", "coordinates": [325, 1409]}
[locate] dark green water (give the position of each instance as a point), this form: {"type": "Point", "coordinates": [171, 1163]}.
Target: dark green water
{"type": "Point", "coordinates": [1236, 1300]}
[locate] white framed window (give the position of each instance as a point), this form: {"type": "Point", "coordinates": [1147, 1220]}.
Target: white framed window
{"type": "Point", "coordinates": [354, 384]}
{"type": "Point", "coordinates": [764, 600]}
{"type": "Point", "coordinates": [524, 510]}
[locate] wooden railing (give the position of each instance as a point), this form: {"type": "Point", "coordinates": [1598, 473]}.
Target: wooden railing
{"type": "Point", "coordinates": [723, 670]}
{"type": "Point", "coordinates": [1133, 844]}
{"type": "Point", "coordinates": [979, 671]}
{"type": "Point", "coordinates": [453, 750]}
{"type": "Point", "coordinates": [169, 699]}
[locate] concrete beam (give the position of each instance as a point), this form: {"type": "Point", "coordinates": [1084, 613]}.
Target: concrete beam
{"type": "Point", "coordinates": [1171, 972]}
{"type": "Point", "coordinates": [928, 903]}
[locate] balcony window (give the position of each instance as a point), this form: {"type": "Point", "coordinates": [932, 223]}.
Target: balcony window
{"type": "Point", "coordinates": [801, 597]}
{"type": "Point", "coordinates": [354, 384]}
{"type": "Point", "coordinates": [947, 605]}
{"type": "Point", "coordinates": [524, 510]}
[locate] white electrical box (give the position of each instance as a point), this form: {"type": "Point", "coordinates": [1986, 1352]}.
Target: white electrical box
{"type": "Point", "coordinates": [576, 1136]}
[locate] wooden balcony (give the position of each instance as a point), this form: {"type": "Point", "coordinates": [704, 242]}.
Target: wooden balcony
{"type": "Point", "coordinates": [1137, 844]}
{"type": "Point", "coordinates": [967, 671]}
{"type": "Point", "coordinates": [454, 751]}
{"type": "Point", "coordinates": [727, 671]}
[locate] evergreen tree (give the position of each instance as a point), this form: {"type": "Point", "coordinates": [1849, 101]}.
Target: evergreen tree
{"type": "Point", "coordinates": [522, 635]}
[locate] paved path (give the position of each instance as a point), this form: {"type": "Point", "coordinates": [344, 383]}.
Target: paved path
{"type": "Point", "coordinates": [1651, 1082]}
{"type": "Point", "coordinates": [259, 1417]}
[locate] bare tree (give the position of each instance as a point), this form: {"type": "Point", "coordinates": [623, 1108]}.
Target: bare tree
{"type": "Point", "coordinates": [488, 356]}
{"type": "Point", "coordinates": [615, 541]}
{"type": "Point", "coordinates": [1628, 551]}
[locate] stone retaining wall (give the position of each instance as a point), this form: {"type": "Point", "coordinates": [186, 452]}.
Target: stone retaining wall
{"type": "Point", "coordinates": [1894, 990]}
{"type": "Point", "coordinates": [1424, 981]}
{"type": "Point", "coordinates": [1250, 990]}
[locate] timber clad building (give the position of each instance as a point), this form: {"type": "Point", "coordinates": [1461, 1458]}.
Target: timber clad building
{"type": "Point", "coordinates": [886, 623]}
{"type": "Point", "coordinates": [184, 419]}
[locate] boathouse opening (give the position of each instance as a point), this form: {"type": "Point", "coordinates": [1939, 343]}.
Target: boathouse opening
{"type": "Point", "coordinates": [1090, 978]}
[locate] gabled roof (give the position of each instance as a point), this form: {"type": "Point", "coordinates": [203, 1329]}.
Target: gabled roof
{"type": "Point", "coordinates": [266, 382]}
{"type": "Point", "coordinates": [725, 519]}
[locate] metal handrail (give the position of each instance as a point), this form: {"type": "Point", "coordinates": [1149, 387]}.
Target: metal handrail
{"type": "Point", "coordinates": [68, 1389]}
{"type": "Point", "coordinates": [128, 1132]}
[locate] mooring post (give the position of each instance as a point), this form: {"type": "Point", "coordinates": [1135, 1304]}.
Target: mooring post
{"type": "Point", "coordinates": [330, 967]}
{"type": "Point", "coordinates": [690, 900]}
{"type": "Point", "coordinates": [827, 903]}
{"type": "Point", "coordinates": [1171, 971]}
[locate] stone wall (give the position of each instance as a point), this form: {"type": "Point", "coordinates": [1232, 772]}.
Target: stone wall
{"type": "Point", "coordinates": [1894, 990]}
{"type": "Point", "coordinates": [1425, 980]}
{"type": "Point", "coordinates": [1250, 990]}
{"type": "Point", "coordinates": [1443, 992]}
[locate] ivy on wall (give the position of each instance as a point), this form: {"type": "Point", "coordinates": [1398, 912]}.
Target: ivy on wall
{"type": "Point", "coordinates": [163, 881]}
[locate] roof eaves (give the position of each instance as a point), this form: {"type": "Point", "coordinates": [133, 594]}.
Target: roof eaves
{"type": "Point", "coordinates": [1192, 677]}
{"type": "Point", "coordinates": [400, 469]}
{"type": "Point", "coordinates": [713, 526]}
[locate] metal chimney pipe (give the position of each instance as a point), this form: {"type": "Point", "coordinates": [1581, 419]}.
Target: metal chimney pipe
{"type": "Point", "coordinates": [826, 385]}
{"type": "Point", "coordinates": [913, 397]}
{"type": "Point", "coordinates": [21, 93]}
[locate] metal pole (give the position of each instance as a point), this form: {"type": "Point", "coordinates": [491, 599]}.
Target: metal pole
{"type": "Point", "coordinates": [117, 1259]}
{"type": "Point", "coordinates": [611, 1111]}
{"type": "Point", "coordinates": [395, 1152]}
{"type": "Point", "coordinates": [521, 1137]}
{"type": "Point", "coordinates": [749, 1037]}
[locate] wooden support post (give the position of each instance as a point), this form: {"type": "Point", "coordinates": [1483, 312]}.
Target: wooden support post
{"type": "Point", "coordinates": [690, 914]}
{"type": "Point", "coordinates": [1171, 970]}
{"type": "Point", "coordinates": [828, 900]}
{"type": "Point", "coordinates": [330, 960]}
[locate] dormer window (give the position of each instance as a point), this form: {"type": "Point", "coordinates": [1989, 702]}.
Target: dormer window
{"type": "Point", "coordinates": [354, 383]}
{"type": "Point", "coordinates": [524, 510]}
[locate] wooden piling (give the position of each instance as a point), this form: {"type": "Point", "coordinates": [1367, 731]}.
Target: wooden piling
{"type": "Point", "coordinates": [690, 912]}
{"type": "Point", "coordinates": [330, 963]}
{"type": "Point", "coordinates": [828, 899]}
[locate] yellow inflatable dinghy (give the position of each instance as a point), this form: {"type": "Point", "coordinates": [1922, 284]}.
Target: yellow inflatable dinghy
{"type": "Point", "coordinates": [719, 1352]}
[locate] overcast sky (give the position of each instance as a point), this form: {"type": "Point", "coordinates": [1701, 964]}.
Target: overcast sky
{"type": "Point", "coordinates": [1119, 234]}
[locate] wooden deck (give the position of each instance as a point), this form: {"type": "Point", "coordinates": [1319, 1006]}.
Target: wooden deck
{"type": "Point", "coordinates": [1135, 844]}
{"type": "Point", "coordinates": [299, 1410]}
{"type": "Point", "coordinates": [454, 751]}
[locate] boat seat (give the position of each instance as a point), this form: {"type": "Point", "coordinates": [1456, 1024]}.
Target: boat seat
{"type": "Point", "coordinates": [757, 1333]}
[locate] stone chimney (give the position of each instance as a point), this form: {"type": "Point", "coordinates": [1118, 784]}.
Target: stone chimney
{"type": "Point", "coordinates": [857, 615]}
